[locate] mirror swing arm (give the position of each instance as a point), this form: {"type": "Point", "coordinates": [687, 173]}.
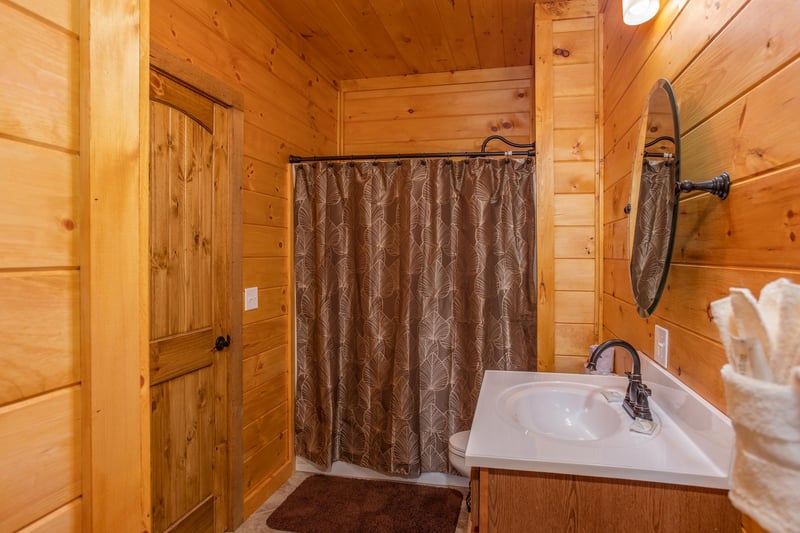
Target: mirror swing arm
{"type": "Point", "coordinates": [719, 186]}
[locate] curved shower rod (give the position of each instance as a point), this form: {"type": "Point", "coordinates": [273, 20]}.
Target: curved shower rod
{"type": "Point", "coordinates": [531, 152]}
{"type": "Point", "coordinates": [659, 139]}
{"type": "Point", "coordinates": [501, 138]}
{"type": "Point", "coordinates": [659, 154]}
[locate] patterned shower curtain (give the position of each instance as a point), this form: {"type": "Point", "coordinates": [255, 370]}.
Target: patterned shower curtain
{"type": "Point", "coordinates": [412, 279]}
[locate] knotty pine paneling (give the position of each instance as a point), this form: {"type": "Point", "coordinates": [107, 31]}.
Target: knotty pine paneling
{"type": "Point", "coordinates": [39, 320]}
{"type": "Point", "coordinates": [39, 223]}
{"type": "Point", "coordinates": [689, 31]}
{"type": "Point", "coordinates": [575, 242]}
{"type": "Point", "coordinates": [265, 461]}
{"type": "Point", "coordinates": [567, 106]}
{"type": "Point", "coordinates": [386, 38]}
{"type": "Point", "coordinates": [40, 387]}
{"type": "Point", "coordinates": [63, 14]}
{"type": "Point", "coordinates": [263, 367]}
{"type": "Point", "coordinates": [574, 177]}
{"type": "Point", "coordinates": [436, 112]}
{"type": "Point", "coordinates": [65, 518]}
{"type": "Point", "coordinates": [290, 107]}
{"type": "Point", "coordinates": [40, 82]}
{"type": "Point", "coordinates": [259, 432]}
{"type": "Point", "coordinates": [39, 456]}
{"type": "Point", "coordinates": [737, 114]}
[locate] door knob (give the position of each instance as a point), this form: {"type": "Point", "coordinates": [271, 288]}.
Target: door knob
{"type": "Point", "coordinates": [222, 343]}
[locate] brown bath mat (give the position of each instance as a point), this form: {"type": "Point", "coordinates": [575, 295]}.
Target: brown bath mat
{"type": "Point", "coordinates": [325, 504]}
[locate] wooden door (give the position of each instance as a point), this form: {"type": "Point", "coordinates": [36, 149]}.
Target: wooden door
{"type": "Point", "coordinates": [190, 217]}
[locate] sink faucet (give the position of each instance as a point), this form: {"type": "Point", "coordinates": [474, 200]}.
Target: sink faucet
{"type": "Point", "coordinates": [636, 403]}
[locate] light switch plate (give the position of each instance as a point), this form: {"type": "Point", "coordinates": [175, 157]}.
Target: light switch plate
{"type": "Point", "coordinates": [250, 298]}
{"type": "Point", "coordinates": [661, 347]}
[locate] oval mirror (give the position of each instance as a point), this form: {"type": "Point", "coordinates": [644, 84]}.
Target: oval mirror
{"type": "Point", "coordinates": [654, 197]}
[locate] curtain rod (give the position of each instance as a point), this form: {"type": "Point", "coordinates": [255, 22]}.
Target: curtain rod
{"type": "Point", "coordinates": [427, 155]}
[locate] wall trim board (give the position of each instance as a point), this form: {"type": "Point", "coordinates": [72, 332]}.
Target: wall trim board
{"type": "Point", "coordinates": [598, 188]}
{"type": "Point", "coordinates": [438, 78]}
{"type": "Point", "coordinates": [545, 212]}
{"type": "Point", "coordinates": [187, 73]}
{"type": "Point", "coordinates": [114, 264]}
{"type": "Point", "coordinates": [263, 490]}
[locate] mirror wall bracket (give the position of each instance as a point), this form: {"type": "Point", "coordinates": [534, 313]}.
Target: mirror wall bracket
{"type": "Point", "coordinates": [719, 186]}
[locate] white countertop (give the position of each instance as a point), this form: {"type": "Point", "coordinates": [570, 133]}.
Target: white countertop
{"type": "Point", "coordinates": [693, 445]}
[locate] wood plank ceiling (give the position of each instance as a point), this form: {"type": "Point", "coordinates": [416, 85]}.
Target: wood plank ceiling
{"type": "Point", "coordinates": [371, 38]}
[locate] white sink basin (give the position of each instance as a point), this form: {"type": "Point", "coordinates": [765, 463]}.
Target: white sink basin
{"type": "Point", "coordinates": [561, 410]}
{"type": "Point", "coordinates": [562, 424]}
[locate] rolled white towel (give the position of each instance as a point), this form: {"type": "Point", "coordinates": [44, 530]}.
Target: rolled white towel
{"type": "Point", "coordinates": [765, 477]}
{"type": "Point", "coordinates": [779, 305]}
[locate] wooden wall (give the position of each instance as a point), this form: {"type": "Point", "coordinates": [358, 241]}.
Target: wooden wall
{"type": "Point", "coordinates": [735, 68]}
{"type": "Point", "coordinates": [71, 410]}
{"type": "Point", "coordinates": [440, 112]}
{"type": "Point", "coordinates": [289, 108]}
{"type": "Point", "coordinates": [40, 382]}
{"type": "Point", "coordinates": [568, 173]}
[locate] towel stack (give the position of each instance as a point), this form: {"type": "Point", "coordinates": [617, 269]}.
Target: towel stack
{"type": "Point", "coordinates": [762, 387]}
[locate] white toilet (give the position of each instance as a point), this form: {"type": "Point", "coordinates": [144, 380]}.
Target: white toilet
{"type": "Point", "coordinates": [457, 448]}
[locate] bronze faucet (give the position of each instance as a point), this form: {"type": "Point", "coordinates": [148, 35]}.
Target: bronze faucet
{"type": "Point", "coordinates": [635, 403]}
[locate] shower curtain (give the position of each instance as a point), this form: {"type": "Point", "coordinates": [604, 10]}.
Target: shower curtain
{"type": "Point", "coordinates": [412, 279]}
{"type": "Point", "coordinates": [655, 225]}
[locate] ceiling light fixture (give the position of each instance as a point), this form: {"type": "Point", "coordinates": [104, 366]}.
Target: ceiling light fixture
{"type": "Point", "coordinates": [636, 12]}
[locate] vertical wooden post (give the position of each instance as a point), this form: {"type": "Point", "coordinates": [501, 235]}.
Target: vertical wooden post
{"type": "Point", "coordinates": [483, 500]}
{"type": "Point", "coordinates": [545, 192]}
{"type": "Point", "coordinates": [114, 264]}
{"type": "Point", "coordinates": [566, 135]}
{"type": "Point", "coordinates": [599, 182]}
{"type": "Point", "coordinates": [235, 437]}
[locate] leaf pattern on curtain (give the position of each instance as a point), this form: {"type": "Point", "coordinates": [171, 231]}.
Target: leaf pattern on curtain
{"type": "Point", "coordinates": [412, 279]}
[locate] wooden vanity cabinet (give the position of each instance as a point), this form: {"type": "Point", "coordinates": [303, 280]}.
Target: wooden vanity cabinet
{"type": "Point", "coordinates": [505, 501]}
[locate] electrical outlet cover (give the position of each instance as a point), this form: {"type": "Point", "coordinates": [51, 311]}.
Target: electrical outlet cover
{"type": "Point", "coordinates": [250, 298]}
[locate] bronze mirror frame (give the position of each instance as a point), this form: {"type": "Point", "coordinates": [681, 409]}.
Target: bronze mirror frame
{"type": "Point", "coordinates": [655, 190]}
{"type": "Point", "coordinates": [653, 207]}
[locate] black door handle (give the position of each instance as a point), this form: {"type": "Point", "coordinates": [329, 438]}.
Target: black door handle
{"type": "Point", "coordinates": [222, 343]}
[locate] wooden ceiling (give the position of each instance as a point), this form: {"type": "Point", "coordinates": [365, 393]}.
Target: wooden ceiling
{"type": "Point", "coordinates": [371, 38]}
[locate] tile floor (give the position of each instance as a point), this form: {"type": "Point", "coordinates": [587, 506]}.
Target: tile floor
{"type": "Point", "coordinates": [257, 523]}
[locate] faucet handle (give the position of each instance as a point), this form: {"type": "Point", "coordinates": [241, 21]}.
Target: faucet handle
{"type": "Point", "coordinates": [642, 406]}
